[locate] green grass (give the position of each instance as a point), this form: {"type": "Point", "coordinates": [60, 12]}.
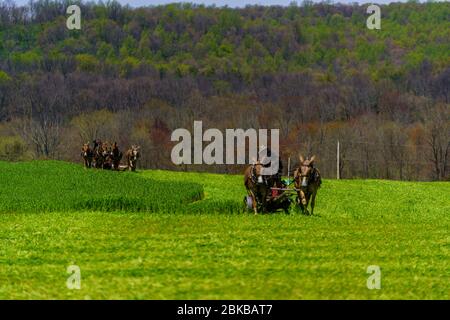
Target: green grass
{"type": "Point", "coordinates": [403, 227]}
{"type": "Point", "coordinates": [45, 186]}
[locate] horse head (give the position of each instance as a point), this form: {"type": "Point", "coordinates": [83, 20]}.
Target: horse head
{"type": "Point", "coordinates": [256, 173]}
{"type": "Point", "coordinates": [305, 170]}
{"type": "Point", "coordinates": [86, 150]}
{"type": "Point", "coordinates": [136, 152]}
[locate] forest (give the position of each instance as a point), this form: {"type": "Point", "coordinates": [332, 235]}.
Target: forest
{"type": "Point", "coordinates": [312, 70]}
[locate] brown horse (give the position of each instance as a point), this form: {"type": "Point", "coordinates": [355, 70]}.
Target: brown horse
{"type": "Point", "coordinates": [98, 154]}
{"type": "Point", "coordinates": [87, 155]}
{"type": "Point", "coordinates": [133, 155]}
{"type": "Point", "coordinates": [107, 156]}
{"type": "Point", "coordinates": [116, 156]}
{"type": "Point", "coordinates": [256, 185]}
{"type": "Point", "coordinates": [307, 182]}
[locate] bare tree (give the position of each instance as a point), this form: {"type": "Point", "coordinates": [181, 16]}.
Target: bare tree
{"type": "Point", "coordinates": [41, 106]}
{"type": "Point", "coordinates": [44, 135]}
{"type": "Point", "coordinates": [438, 139]}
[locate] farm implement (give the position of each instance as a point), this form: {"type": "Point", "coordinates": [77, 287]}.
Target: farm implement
{"type": "Point", "coordinates": [278, 197]}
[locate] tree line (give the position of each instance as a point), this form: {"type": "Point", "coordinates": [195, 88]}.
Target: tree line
{"type": "Point", "coordinates": [314, 71]}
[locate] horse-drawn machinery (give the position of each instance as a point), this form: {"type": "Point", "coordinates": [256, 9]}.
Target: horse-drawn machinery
{"type": "Point", "coordinates": [276, 199]}
{"type": "Point", "coordinates": [270, 194]}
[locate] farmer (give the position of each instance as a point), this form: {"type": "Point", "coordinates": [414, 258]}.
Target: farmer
{"type": "Point", "coordinates": [272, 156]}
{"type": "Point", "coordinates": [275, 179]}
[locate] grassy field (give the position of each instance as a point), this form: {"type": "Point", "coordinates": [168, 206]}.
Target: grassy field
{"type": "Point", "coordinates": [206, 248]}
{"type": "Point", "coordinates": [44, 186]}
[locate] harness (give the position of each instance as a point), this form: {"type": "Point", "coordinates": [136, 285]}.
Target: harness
{"type": "Point", "coordinates": [312, 176]}
{"type": "Point", "coordinates": [253, 173]}
{"type": "Point", "coordinates": [87, 153]}
{"type": "Point", "coordinates": [254, 177]}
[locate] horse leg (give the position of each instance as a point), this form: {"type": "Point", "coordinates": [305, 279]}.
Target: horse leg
{"type": "Point", "coordinates": [299, 202]}
{"type": "Point", "coordinates": [304, 202]}
{"type": "Point", "coordinates": [313, 202]}
{"type": "Point", "coordinates": [264, 201]}
{"type": "Point", "coordinates": [303, 199]}
{"type": "Point", "coordinates": [307, 202]}
{"type": "Point", "coordinates": [254, 205]}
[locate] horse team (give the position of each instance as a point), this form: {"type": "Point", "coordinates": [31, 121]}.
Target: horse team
{"type": "Point", "coordinates": [108, 157]}
{"type": "Point", "coordinates": [260, 188]}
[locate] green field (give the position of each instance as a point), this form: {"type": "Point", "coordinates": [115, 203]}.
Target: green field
{"type": "Point", "coordinates": [171, 235]}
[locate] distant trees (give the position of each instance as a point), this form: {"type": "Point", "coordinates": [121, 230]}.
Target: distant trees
{"type": "Point", "coordinates": [44, 135]}
{"type": "Point", "coordinates": [40, 104]}
{"type": "Point", "coordinates": [5, 93]}
{"type": "Point", "coordinates": [94, 125]}
{"type": "Point", "coordinates": [438, 139]}
{"type": "Point", "coordinates": [312, 70]}
{"type": "Point", "coordinates": [13, 148]}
